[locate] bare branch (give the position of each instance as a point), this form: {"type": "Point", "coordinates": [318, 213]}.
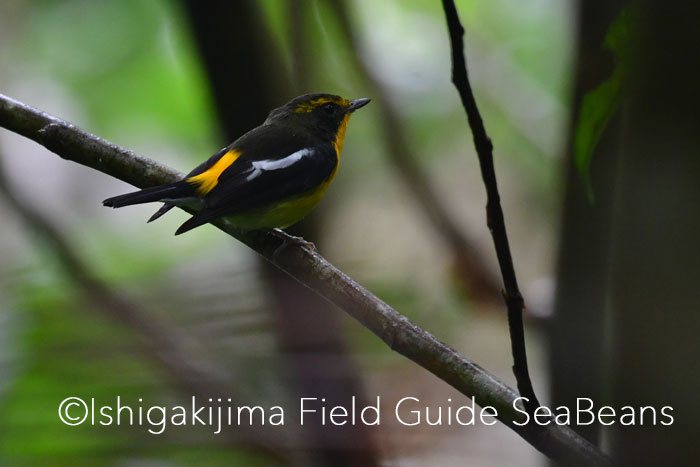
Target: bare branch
{"type": "Point", "coordinates": [311, 269]}
{"type": "Point", "coordinates": [494, 213]}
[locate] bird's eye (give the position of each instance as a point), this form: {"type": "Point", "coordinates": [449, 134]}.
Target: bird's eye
{"type": "Point", "coordinates": [329, 109]}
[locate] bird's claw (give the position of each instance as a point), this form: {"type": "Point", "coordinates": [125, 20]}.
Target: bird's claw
{"type": "Point", "coordinates": [291, 239]}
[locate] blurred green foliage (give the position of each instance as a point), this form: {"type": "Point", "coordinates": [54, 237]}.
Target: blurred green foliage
{"type": "Point", "coordinates": [600, 104]}
{"type": "Point", "coordinates": [115, 55]}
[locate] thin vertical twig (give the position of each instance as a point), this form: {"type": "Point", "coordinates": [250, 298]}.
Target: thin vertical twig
{"type": "Point", "coordinates": [476, 276]}
{"type": "Point", "coordinates": [494, 213]}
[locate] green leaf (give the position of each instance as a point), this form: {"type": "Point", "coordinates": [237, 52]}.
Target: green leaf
{"type": "Point", "coordinates": [600, 104]}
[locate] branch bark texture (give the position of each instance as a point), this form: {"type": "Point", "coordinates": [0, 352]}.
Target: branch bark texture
{"type": "Point", "coordinates": [494, 213]}
{"type": "Point", "coordinates": [311, 269]}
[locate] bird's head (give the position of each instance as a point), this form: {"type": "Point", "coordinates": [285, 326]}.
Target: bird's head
{"type": "Point", "coordinates": [324, 114]}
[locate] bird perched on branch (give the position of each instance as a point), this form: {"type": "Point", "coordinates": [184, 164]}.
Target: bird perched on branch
{"type": "Point", "coordinates": [271, 177]}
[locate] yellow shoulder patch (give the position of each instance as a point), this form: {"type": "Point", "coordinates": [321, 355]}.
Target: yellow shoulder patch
{"type": "Point", "coordinates": [208, 179]}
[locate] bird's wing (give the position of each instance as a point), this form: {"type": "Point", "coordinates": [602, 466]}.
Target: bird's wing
{"type": "Point", "coordinates": [207, 164]}
{"type": "Point", "coordinates": [261, 182]}
{"type": "Point", "coordinates": [265, 171]}
{"type": "Point", "coordinates": [201, 168]}
{"type": "Point", "coordinates": [265, 181]}
{"type": "Point", "coordinates": [243, 174]}
{"type": "Point", "coordinates": [264, 143]}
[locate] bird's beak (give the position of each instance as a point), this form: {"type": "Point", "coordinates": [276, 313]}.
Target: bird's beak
{"type": "Point", "coordinates": [357, 103]}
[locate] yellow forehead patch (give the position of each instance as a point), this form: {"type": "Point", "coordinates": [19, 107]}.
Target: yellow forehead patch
{"type": "Point", "coordinates": [308, 107]}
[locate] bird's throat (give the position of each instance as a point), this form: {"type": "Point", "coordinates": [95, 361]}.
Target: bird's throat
{"type": "Point", "coordinates": [340, 134]}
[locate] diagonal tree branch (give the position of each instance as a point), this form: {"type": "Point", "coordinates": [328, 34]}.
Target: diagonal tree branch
{"type": "Point", "coordinates": [311, 269]}
{"type": "Point", "coordinates": [494, 213]}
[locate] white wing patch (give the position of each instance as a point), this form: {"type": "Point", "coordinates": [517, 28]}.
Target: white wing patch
{"type": "Point", "coordinates": [275, 164]}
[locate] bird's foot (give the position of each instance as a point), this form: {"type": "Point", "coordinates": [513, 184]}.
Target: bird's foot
{"type": "Point", "coordinates": [290, 239]}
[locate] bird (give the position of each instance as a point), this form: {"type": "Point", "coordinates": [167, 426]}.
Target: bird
{"type": "Point", "coordinates": [268, 179]}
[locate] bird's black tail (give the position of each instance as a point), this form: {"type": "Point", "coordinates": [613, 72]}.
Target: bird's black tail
{"type": "Point", "coordinates": [160, 212]}
{"type": "Point", "coordinates": [199, 218]}
{"type": "Point", "coordinates": [181, 189]}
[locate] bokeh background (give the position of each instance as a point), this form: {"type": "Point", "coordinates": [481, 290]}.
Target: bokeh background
{"type": "Point", "coordinates": [97, 303]}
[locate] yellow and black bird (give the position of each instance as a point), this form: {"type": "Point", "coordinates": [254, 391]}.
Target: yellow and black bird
{"type": "Point", "coordinates": [271, 177]}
